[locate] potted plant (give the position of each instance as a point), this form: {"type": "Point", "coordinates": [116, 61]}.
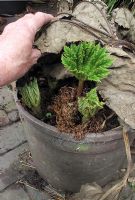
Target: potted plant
{"type": "Point", "coordinates": [74, 137]}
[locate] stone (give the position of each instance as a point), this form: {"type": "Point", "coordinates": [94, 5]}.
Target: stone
{"type": "Point", "coordinates": [14, 193]}
{"type": "Point", "coordinates": [13, 116]}
{"type": "Point", "coordinates": [11, 136]}
{"type": "Point", "coordinates": [6, 100]}
{"type": "Point", "coordinates": [10, 167]}
{"type": "Point", "coordinates": [4, 120]}
{"type": "Point", "coordinates": [88, 191]}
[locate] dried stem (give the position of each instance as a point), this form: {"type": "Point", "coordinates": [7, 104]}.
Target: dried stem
{"type": "Point", "coordinates": [116, 189]}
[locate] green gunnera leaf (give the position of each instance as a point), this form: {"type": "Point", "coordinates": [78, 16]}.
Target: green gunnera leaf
{"type": "Point", "coordinates": [89, 105]}
{"type": "Point", "coordinates": [31, 96]}
{"type": "Point", "coordinates": [87, 61]}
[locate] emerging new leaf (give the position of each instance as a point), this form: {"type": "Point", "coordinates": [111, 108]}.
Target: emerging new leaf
{"type": "Point", "coordinates": [31, 97]}
{"type": "Point", "coordinates": [87, 61]}
{"type": "Point", "coordinates": [89, 105]}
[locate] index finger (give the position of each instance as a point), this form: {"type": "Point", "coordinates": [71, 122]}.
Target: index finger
{"type": "Point", "coordinates": [41, 19]}
{"type": "Point", "coordinates": [36, 21]}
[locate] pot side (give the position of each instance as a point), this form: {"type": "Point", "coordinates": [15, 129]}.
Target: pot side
{"type": "Point", "coordinates": [67, 163]}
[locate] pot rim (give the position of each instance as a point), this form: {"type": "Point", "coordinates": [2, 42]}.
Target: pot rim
{"type": "Point", "coordinates": [107, 136]}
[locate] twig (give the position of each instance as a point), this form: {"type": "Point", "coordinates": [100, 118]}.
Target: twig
{"type": "Point", "coordinates": [93, 28]}
{"type": "Point", "coordinates": [106, 118]}
{"type": "Point", "coordinates": [27, 165]}
{"type": "Point", "coordinates": [53, 193]}
{"type": "Point", "coordinates": [116, 189]}
{"type": "Point", "coordinates": [84, 28]}
{"type": "Point", "coordinates": [26, 184]}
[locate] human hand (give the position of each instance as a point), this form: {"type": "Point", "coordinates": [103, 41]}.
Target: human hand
{"type": "Point", "coordinates": [16, 52]}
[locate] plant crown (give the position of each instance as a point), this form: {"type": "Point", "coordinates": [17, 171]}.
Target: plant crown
{"type": "Point", "coordinates": [89, 105]}
{"type": "Point", "coordinates": [87, 61]}
{"type": "Point", "coordinates": [31, 96]}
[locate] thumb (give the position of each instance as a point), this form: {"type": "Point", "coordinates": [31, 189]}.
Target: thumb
{"type": "Point", "coordinates": [35, 55]}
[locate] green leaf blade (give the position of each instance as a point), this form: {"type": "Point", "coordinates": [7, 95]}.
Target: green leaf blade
{"type": "Point", "coordinates": [87, 61]}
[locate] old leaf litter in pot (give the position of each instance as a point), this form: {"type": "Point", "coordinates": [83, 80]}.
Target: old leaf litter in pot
{"type": "Point", "coordinates": [118, 89]}
{"type": "Point", "coordinates": [125, 19]}
{"type": "Point", "coordinates": [86, 23]}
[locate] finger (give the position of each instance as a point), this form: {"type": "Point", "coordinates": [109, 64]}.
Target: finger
{"type": "Point", "coordinates": [32, 60]}
{"type": "Point", "coordinates": [42, 18]}
{"type": "Point", "coordinates": [35, 56]}
{"type": "Point", "coordinates": [35, 22]}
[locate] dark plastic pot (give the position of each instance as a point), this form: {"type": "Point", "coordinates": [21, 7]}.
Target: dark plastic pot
{"type": "Point", "coordinates": [12, 7]}
{"type": "Point", "coordinates": [66, 163]}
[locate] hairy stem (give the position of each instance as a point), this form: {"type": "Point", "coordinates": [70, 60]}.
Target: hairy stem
{"type": "Point", "coordinates": [80, 88]}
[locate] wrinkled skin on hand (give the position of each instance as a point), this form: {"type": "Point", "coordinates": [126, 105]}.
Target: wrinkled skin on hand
{"type": "Point", "coordinates": [16, 52]}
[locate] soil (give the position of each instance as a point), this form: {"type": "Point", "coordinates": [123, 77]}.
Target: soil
{"type": "Point", "coordinates": [69, 120]}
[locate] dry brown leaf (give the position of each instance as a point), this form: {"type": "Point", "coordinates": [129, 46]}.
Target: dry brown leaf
{"type": "Point", "coordinates": [125, 18]}
{"type": "Point", "coordinates": [64, 6]}
{"type": "Point", "coordinates": [118, 89]}
{"type": "Point", "coordinates": [89, 192]}
{"type": "Point", "coordinates": [95, 192]}
{"type": "Point", "coordinates": [61, 31]}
